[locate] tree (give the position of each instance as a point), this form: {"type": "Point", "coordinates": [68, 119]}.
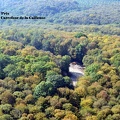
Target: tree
{"type": "Point", "coordinates": [81, 91]}
{"type": "Point", "coordinates": [22, 107]}
{"type": "Point", "coordinates": [99, 103]}
{"type": "Point", "coordinates": [78, 35]}
{"type": "Point", "coordinates": [68, 82]}
{"type": "Point", "coordinates": [86, 102]}
{"type": "Point", "coordinates": [64, 47]}
{"type": "Point", "coordinates": [103, 113]}
{"type": "Point", "coordinates": [43, 103]}
{"type": "Point", "coordinates": [64, 63]}
{"type": "Point", "coordinates": [37, 39]}
{"type": "Point", "coordinates": [115, 117]}
{"type": "Point", "coordinates": [49, 112]}
{"type": "Point", "coordinates": [88, 60]}
{"type": "Point", "coordinates": [15, 113]}
{"type": "Point", "coordinates": [80, 51]}
{"type": "Point", "coordinates": [43, 89]}
{"type": "Point", "coordinates": [4, 61]}
{"type": "Point", "coordinates": [6, 117]}
{"type": "Point", "coordinates": [40, 116]}
{"type": "Point", "coordinates": [115, 60]}
{"type": "Point", "coordinates": [19, 94]}
{"type": "Point", "coordinates": [92, 70]}
{"type": "Point", "coordinates": [103, 94]}
{"type": "Point", "coordinates": [56, 80]}
{"type": "Point", "coordinates": [54, 101]}
{"type": "Point", "coordinates": [64, 92]}
{"type": "Point", "coordinates": [70, 116]}
{"type": "Point", "coordinates": [7, 97]}
{"type": "Point", "coordinates": [94, 88]}
{"type": "Point", "coordinates": [116, 109]}
{"type": "Point", "coordinates": [38, 67]}
{"type": "Point", "coordinates": [68, 106]}
{"type": "Point", "coordinates": [36, 43]}
{"type": "Point", "coordinates": [29, 99]}
{"type": "Point", "coordinates": [50, 73]}
{"type": "Point", "coordinates": [59, 114]}
{"type": "Point", "coordinates": [33, 109]}
{"type": "Point", "coordinates": [91, 117]}
{"type": "Point", "coordinates": [13, 71]}
{"type": "Point", "coordinates": [6, 108]}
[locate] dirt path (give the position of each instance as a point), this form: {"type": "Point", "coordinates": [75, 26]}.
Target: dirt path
{"type": "Point", "coordinates": [76, 71]}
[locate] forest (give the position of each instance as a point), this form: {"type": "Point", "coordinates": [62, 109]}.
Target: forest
{"type": "Point", "coordinates": [35, 83]}
{"type": "Point", "coordinates": [64, 11]}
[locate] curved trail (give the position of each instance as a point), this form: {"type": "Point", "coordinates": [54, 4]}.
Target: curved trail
{"type": "Point", "coordinates": [76, 71]}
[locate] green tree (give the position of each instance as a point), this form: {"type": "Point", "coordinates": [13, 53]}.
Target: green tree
{"type": "Point", "coordinates": [4, 61]}
{"type": "Point", "coordinates": [43, 89]}
{"type": "Point", "coordinates": [78, 35]}
{"type": "Point", "coordinates": [36, 39]}
{"type": "Point", "coordinates": [115, 60]}
{"type": "Point", "coordinates": [6, 117]}
{"type": "Point", "coordinates": [92, 70]}
{"type": "Point", "coordinates": [40, 116]}
{"type": "Point", "coordinates": [56, 80]}
{"type": "Point", "coordinates": [80, 51]}
{"type": "Point", "coordinates": [13, 71]}
{"type": "Point", "coordinates": [39, 67]}
{"type": "Point", "coordinates": [64, 63]}
{"type": "Point", "coordinates": [6, 108]}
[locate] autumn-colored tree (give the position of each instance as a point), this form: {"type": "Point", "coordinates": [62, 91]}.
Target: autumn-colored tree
{"type": "Point", "coordinates": [7, 97]}
{"type": "Point", "coordinates": [70, 117]}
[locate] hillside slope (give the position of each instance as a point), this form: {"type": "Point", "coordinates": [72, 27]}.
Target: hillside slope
{"type": "Point", "coordinates": [101, 14]}
{"type": "Point", "coordinates": [65, 11]}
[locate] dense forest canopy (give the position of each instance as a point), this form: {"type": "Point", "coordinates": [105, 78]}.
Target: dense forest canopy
{"type": "Point", "coordinates": [64, 11]}
{"type": "Point", "coordinates": [35, 82]}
